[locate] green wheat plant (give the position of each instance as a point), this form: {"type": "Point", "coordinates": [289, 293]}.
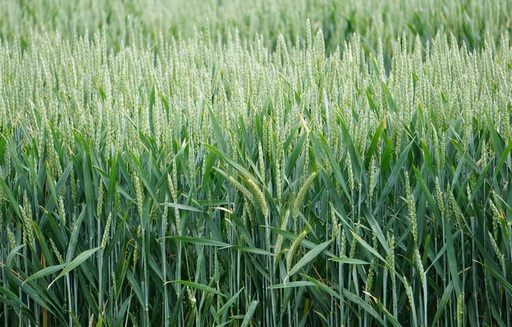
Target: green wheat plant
{"type": "Point", "coordinates": [233, 177]}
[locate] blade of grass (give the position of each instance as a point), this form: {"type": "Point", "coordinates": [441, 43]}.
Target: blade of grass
{"type": "Point", "coordinates": [228, 304]}
{"type": "Point", "coordinates": [311, 255]}
{"type": "Point", "coordinates": [198, 286]}
{"type": "Point", "coordinates": [250, 313]}
{"type": "Point", "coordinates": [75, 263]}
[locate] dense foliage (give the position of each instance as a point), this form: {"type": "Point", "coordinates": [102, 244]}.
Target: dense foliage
{"type": "Point", "coordinates": [472, 22]}
{"type": "Point", "coordinates": [152, 174]}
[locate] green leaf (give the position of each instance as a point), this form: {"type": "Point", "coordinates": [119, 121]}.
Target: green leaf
{"type": "Point", "coordinates": [135, 286]}
{"type": "Point", "coordinates": [199, 241]}
{"type": "Point", "coordinates": [374, 143]}
{"type": "Point", "coordinates": [371, 103]}
{"type": "Point", "coordinates": [75, 263]}
{"type": "Point", "coordinates": [311, 255]}
{"type": "Point", "coordinates": [323, 287]}
{"type": "Point", "coordinates": [291, 236]}
{"type": "Point", "coordinates": [368, 247]}
{"type": "Point", "coordinates": [388, 315]}
{"type": "Point", "coordinates": [228, 304]}
{"type": "Point", "coordinates": [198, 286]}
{"type": "Point", "coordinates": [504, 157]}
{"type": "Point", "coordinates": [363, 305]}
{"type": "Point", "coordinates": [218, 133]}
{"type": "Point", "coordinates": [442, 303]}
{"type": "Point", "coordinates": [182, 207]}
{"type": "Point", "coordinates": [495, 138]}
{"type": "Point", "coordinates": [12, 200]}
{"type": "Point", "coordinates": [10, 298]}
{"type": "Point", "coordinates": [250, 250]}
{"type": "Point", "coordinates": [426, 192]}
{"type": "Point", "coordinates": [390, 183]}
{"type": "Point", "coordinates": [355, 156]}
{"type": "Point", "coordinates": [335, 164]}
{"type": "Point", "coordinates": [466, 156]}
{"type": "Point", "coordinates": [504, 282]}
{"type": "Point", "coordinates": [427, 158]}
{"type": "Point", "coordinates": [292, 159]}
{"type": "Point", "coordinates": [250, 313]}
{"type": "Point", "coordinates": [44, 272]}
{"type": "Point", "coordinates": [350, 261]}
{"type": "Point", "coordinates": [11, 255]}
{"type": "Point", "coordinates": [291, 285]}
{"type": "Point", "coordinates": [74, 235]}
{"type": "Point", "coordinates": [244, 172]}
{"type": "Point", "coordinates": [452, 260]}
{"type": "Point", "coordinates": [389, 98]}
{"type": "Point", "coordinates": [374, 225]}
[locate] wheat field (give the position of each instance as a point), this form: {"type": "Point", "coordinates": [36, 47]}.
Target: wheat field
{"type": "Point", "coordinates": [217, 163]}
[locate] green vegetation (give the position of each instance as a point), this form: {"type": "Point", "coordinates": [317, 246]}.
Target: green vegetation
{"type": "Point", "coordinates": [262, 169]}
{"type": "Point", "coordinates": [471, 21]}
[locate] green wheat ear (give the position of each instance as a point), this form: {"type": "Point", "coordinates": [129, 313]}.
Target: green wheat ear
{"type": "Point", "coordinates": [294, 248]}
